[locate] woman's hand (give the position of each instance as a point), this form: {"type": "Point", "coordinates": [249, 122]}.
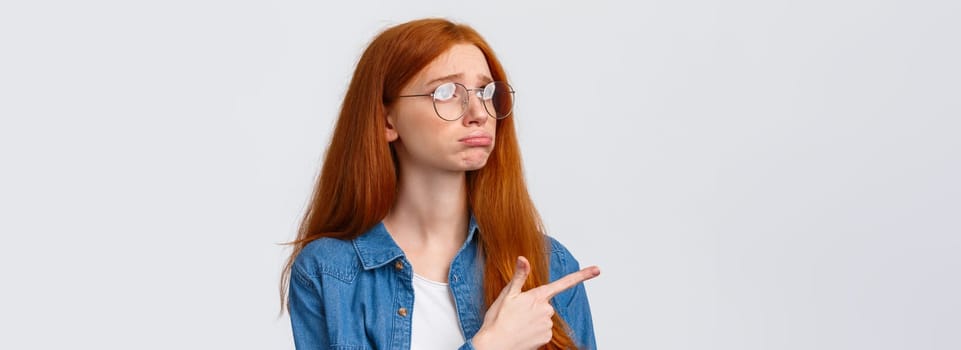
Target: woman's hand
{"type": "Point", "coordinates": [522, 320]}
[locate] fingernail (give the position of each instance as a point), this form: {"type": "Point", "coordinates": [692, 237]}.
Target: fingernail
{"type": "Point", "coordinates": [518, 263]}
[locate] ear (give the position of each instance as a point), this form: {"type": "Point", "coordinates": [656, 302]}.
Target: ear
{"type": "Point", "coordinates": [390, 132]}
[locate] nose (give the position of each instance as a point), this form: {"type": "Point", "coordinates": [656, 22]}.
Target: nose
{"type": "Point", "coordinates": [475, 113]}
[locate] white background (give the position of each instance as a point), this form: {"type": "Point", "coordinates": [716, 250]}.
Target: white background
{"type": "Point", "coordinates": [748, 174]}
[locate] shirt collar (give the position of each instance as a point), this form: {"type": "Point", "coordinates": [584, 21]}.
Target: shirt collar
{"type": "Point", "coordinates": [376, 247]}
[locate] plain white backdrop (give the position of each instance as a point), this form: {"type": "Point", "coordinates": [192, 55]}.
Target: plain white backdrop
{"type": "Point", "coordinates": [748, 174]}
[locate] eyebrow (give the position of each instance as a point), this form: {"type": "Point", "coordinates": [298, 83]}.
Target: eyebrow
{"type": "Point", "coordinates": [482, 77]}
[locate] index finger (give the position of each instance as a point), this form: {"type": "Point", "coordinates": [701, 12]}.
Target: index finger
{"type": "Point", "coordinates": [564, 283]}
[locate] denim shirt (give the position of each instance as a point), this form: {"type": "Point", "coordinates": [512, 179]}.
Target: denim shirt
{"type": "Point", "coordinates": [358, 294]}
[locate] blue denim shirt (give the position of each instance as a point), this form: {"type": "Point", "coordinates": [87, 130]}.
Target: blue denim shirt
{"type": "Point", "coordinates": [358, 294]}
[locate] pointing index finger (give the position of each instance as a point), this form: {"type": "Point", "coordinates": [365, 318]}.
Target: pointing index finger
{"type": "Point", "coordinates": [551, 289]}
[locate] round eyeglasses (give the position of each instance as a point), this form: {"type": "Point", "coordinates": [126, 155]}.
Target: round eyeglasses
{"type": "Point", "coordinates": [452, 100]}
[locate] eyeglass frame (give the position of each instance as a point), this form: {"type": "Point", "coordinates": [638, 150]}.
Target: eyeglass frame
{"type": "Point", "coordinates": [467, 107]}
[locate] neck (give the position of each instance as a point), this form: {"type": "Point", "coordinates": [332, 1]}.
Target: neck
{"type": "Point", "coordinates": [431, 208]}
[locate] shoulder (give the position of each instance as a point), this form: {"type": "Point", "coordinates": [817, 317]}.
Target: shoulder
{"type": "Point", "coordinates": [327, 256]}
{"type": "Point", "coordinates": [561, 259]}
{"type": "Point", "coordinates": [562, 263]}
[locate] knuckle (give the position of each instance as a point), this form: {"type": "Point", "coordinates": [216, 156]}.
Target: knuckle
{"type": "Point", "coordinates": [545, 337]}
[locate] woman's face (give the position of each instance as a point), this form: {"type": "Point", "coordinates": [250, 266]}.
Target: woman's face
{"type": "Point", "coordinates": [424, 140]}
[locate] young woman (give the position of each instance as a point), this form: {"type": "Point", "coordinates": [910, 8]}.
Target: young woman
{"type": "Point", "coordinates": [421, 233]}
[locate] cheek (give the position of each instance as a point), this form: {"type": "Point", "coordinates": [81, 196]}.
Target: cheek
{"type": "Point", "coordinates": [413, 117]}
{"type": "Point", "coordinates": [420, 129]}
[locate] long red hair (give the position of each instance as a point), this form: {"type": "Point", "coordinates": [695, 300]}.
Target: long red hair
{"type": "Point", "coordinates": [358, 181]}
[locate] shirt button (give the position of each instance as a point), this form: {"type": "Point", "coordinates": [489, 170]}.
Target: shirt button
{"type": "Point", "coordinates": [399, 265]}
{"type": "Point", "coordinates": [402, 312]}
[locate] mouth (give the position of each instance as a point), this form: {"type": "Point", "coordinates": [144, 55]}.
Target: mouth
{"type": "Point", "coordinates": [477, 138]}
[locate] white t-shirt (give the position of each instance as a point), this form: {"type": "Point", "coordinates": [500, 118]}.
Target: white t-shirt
{"type": "Point", "coordinates": [434, 323]}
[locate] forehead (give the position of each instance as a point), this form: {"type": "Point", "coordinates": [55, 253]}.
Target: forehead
{"type": "Point", "coordinates": [464, 63]}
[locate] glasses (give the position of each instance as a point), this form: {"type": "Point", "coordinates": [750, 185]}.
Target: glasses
{"type": "Point", "coordinates": [451, 100]}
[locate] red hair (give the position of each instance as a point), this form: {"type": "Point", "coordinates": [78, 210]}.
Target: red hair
{"type": "Point", "coordinates": [358, 182]}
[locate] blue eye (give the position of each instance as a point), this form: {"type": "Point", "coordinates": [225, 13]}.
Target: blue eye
{"type": "Point", "coordinates": [444, 92]}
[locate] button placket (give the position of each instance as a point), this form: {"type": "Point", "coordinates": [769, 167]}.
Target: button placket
{"type": "Point", "coordinates": [402, 311]}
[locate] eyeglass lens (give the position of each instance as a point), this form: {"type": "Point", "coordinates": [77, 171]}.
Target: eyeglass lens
{"type": "Point", "coordinates": [451, 100]}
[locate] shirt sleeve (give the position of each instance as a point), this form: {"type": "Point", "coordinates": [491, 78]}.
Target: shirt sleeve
{"type": "Point", "coordinates": [306, 312]}
{"type": "Point", "coordinates": [578, 316]}
{"type": "Point", "coordinates": [572, 304]}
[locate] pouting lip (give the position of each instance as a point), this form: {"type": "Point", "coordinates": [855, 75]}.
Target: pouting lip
{"type": "Point", "coordinates": [477, 134]}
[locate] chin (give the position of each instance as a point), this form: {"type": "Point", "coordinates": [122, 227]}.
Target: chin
{"type": "Point", "coordinates": [473, 160]}
{"type": "Point", "coordinates": [474, 164]}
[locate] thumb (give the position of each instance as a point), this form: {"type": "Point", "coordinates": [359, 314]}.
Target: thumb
{"type": "Point", "coordinates": [521, 271]}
